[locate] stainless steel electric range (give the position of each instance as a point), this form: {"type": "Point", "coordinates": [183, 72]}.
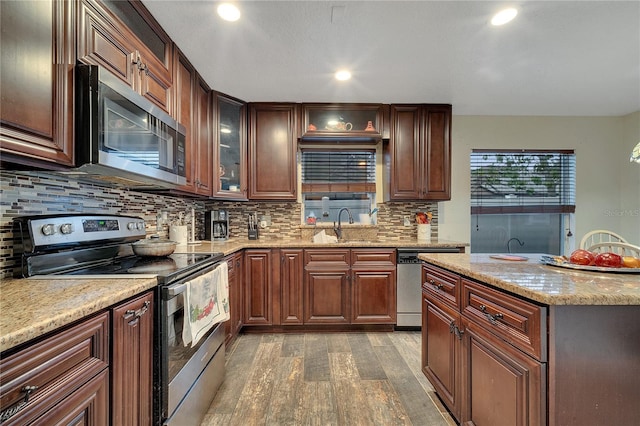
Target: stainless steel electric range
{"type": "Point", "coordinates": [99, 246]}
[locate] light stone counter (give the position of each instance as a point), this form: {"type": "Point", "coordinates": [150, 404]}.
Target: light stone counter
{"type": "Point", "coordinates": [235, 244]}
{"type": "Point", "coordinates": [542, 283]}
{"type": "Point", "coordinates": [30, 308]}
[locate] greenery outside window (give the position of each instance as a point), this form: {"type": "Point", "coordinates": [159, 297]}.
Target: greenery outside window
{"type": "Point", "coordinates": [521, 200]}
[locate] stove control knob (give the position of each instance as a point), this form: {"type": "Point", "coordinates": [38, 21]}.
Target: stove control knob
{"type": "Point", "coordinates": [66, 228]}
{"type": "Point", "coordinates": [48, 229]}
{"type": "Point", "coordinates": [131, 226]}
{"type": "Point", "coordinates": [140, 226]}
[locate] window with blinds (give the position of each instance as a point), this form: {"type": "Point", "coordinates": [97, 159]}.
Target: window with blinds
{"type": "Point", "coordinates": [522, 181]}
{"type": "Point", "coordinates": [338, 171]}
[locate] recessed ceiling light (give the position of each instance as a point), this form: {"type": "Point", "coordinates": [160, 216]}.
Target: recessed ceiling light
{"type": "Point", "coordinates": [229, 12]}
{"type": "Point", "coordinates": [343, 75]}
{"type": "Point", "coordinates": [504, 16]}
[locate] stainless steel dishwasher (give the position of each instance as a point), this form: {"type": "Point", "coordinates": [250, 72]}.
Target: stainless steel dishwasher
{"type": "Point", "coordinates": [409, 285]}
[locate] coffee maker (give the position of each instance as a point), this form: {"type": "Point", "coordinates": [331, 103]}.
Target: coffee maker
{"type": "Point", "coordinates": [217, 225]}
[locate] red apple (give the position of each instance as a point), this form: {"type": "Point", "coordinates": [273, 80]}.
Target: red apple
{"type": "Point", "coordinates": [610, 260]}
{"type": "Point", "coordinates": [582, 257]}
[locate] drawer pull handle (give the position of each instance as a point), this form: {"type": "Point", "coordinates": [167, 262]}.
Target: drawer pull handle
{"type": "Point", "coordinates": [492, 318]}
{"type": "Point", "coordinates": [11, 411]}
{"type": "Point", "coordinates": [438, 286]}
{"type": "Point", "coordinates": [138, 312]}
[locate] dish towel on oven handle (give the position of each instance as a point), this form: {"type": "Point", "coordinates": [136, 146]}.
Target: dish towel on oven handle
{"type": "Point", "coordinates": [206, 303]}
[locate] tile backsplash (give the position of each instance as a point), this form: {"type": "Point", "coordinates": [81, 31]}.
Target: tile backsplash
{"type": "Point", "coordinates": [39, 193]}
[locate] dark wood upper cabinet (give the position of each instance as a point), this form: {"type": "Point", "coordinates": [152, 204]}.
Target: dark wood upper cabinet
{"type": "Point", "coordinates": [326, 121]}
{"type": "Point", "coordinates": [272, 151]}
{"type": "Point", "coordinates": [36, 75]}
{"type": "Point", "coordinates": [202, 141]}
{"type": "Point", "coordinates": [104, 39]}
{"type": "Point", "coordinates": [420, 152]}
{"type": "Point", "coordinates": [230, 148]}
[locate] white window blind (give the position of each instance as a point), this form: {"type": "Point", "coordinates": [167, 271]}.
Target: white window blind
{"type": "Point", "coordinates": [522, 181]}
{"type": "Point", "coordinates": [338, 171]}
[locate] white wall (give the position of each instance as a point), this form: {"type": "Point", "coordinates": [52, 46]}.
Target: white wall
{"type": "Point", "coordinates": [607, 187]}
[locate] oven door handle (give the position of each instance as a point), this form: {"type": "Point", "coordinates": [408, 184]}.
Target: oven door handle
{"type": "Point", "coordinates": [175, 290]}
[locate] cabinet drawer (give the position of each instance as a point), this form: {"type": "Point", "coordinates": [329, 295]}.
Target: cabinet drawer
{"type": "Point", "coordinates": [54, 368]}
{"type": "Point", "coordinates": [518, 322]}
{"type": "Point", "coordinates": [326, 258]}
{"type": "Point", "coordinates": [373, 257]}
{"type": "Point", "coordinates": [441, 284]}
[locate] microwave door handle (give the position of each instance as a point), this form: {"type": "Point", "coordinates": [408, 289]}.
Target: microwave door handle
{"type": "Point", "coordinates": [175, 290]}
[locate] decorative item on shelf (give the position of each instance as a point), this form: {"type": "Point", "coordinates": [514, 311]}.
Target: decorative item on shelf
{"type": "Point", "coordinates": [312, 128]}
{"type": "Point", "coordinates": [338, 125]}
{"type": "Point", "coordinates": [370, 127]}
{"type": "Point", "coordinates": [424, 225]}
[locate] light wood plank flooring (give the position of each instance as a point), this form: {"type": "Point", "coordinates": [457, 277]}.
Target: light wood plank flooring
{"type": "Point", "coordinates": [326, 379]}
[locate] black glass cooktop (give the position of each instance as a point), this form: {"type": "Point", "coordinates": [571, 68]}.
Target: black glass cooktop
{"type": "Point", "coordinates": [160, 266]}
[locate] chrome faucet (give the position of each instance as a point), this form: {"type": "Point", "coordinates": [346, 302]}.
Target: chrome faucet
{"type": "Point", "coordinates": [338, 230]}
{"type": "Point", "coordinates": [509, 244]}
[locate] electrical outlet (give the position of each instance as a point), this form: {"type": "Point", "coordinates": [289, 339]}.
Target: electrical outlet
{"type": "Point", "coordinates": [266, 218]}
{"type": "Point", "coordinates": [407, 222]}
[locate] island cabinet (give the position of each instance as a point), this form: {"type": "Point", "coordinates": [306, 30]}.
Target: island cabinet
{"type": "Point", "coordinates": [234, 324]}
{"type": "Point", "coordinates": [272, 171]}
{"type": "Point", "coordinates": [132, 361]}
{"type": "Point", "coordinates": [419, 152]}
{"type": "Point", "coordinates": [124, 38]}
{"type": "Point", "coordinates": [484, 351]}
{"type": "Point", "coordinates": [36, 76]}
{"type": "Point", "coordinates": [62, 379]}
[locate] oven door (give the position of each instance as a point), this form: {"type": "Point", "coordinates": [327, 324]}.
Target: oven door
{"type": "Point", "coordinates": [189, 375]}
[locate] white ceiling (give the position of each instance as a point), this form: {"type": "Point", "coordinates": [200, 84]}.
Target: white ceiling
{"type": "Point", "coordinates": [560, 58]}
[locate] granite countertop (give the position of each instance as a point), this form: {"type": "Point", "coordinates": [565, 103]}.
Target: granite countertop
{"type": "Point", "coordinates": [31, 307]}
{"type": "Point", "coordinates": [235, 244]}
{"type": "Point", "coordinates": [550, 285]}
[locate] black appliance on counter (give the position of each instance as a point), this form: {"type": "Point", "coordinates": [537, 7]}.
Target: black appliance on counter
{"type": "Point", "coordinates": [186, 378]}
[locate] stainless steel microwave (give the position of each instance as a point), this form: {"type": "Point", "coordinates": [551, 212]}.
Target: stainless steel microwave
{"type": "Point", "coordinates": [123, 137]}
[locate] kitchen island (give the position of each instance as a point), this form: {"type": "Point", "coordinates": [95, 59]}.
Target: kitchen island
{"type": "Point", "coordinates": [521, 342]}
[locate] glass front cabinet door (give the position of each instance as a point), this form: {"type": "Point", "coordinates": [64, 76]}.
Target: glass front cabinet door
{"type": "Point", "coordinates": [231, 146]}
{"type": "Point", "coordinates": [343, 120]}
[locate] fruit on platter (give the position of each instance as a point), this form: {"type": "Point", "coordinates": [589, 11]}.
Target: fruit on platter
{"type": "Point", "coordinates": [582, 257]}
{"type": "Point", "coordinates": [630, 262]}
{"type": "Point", "coordinates": [609, 260]}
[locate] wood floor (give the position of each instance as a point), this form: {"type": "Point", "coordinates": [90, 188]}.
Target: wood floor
{"type": "Point", "coordinates": [326, 379]}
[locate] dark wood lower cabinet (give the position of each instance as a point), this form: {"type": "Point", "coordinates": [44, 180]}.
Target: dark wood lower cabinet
{"type": "Point", "coordinates": [326, 297]}
{"type": "Point", "coordinates": [234, 324]}
{"type": "Point", "coordinates": [258, 287]}
{"type": "Point", "coordinates": [132, 362]}
{"type": "Point", "coordinates": [291, 276]}
{"type": "Point", "coordinates": [441, 352]}
{"type": "Point", "coordinates": [62, 379]}
{"type": "Point", "coordinates": [88, 406]}
{"type": "Point", "coordinates": [503, 385]}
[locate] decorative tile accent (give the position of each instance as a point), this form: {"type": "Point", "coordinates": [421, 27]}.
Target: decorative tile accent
{"type": "Point", "coordinates": [34, 193]}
